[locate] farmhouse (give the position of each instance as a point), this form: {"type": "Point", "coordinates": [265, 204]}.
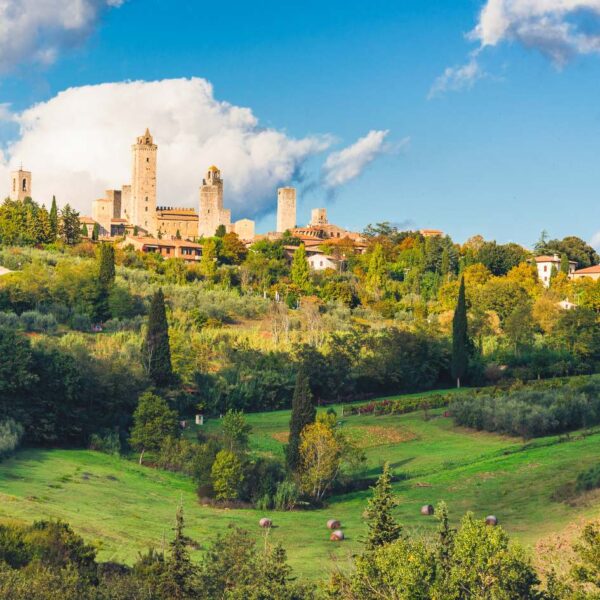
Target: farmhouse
{"type": "Point", "coordinates": [591, 272]}
{"type": "Point", "coordinates": [188, 251]}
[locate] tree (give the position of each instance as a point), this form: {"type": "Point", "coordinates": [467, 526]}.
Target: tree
{"type": "Point", "coordinates": [519, 327]}
{"type": "Point", "coordinates": [235, 431]}
{"type": "Point", "coordinates": [180, 573]}
{"type": "Point", "coordinates": [233, 250]}
{"type": "Point", "coordinates": [54, 219]}
{"type": "Point", "coordinates": [156, 350]}
{"type": "Point", "coordinates": [84, 231]}
{"type": "Point", "coordinates": [303, 413]}
{"type": "Point", "coordinates": [320, 459]}
{"type": "Point", "coordinates": [96, 232]}
{"type": "Point", "coordinates": [375, 281]}
{"type": "Point", "coordinates": [227, 475]}
{"type": "Point", "coordinates": [208, 262]}
{"type": "Point", "coordinates": [460, 337]}
{"type": "Point", "coordinates": [300, 271]}
{"type": "Point", "coordinates": [106, 266]}
{"type": "Point", "coordinates": [564, 264]}
{"type": "Point", "coordinates": [69, 227]}
{"type": "Point", "coordinates": [220, 231]}
{"type": "Point", "coordinates": [586, 570]}
{"type": "Point", "coordinates": [153, 423]}
{"type": "Point", "coordinates": [382, 527]}
{"type": "Point", "coordinates": [178, 235]}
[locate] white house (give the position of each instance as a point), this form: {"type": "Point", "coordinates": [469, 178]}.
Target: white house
{"type": "Point", "coordinates": [320, 262]}
{"type": "Point", "coordinates": [545, 264]}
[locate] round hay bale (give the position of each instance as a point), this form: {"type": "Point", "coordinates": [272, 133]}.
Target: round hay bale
{"type": "Point", "coordinates": [491, 520]}
{"type": "Point", "coordinates": [265, 523]}
{"type": "Point", "coordinates": [333, 524]}
{"type": "Point", "coordinates": [427, 510]}
{"type": "Point", "coordinates": [337, 536]}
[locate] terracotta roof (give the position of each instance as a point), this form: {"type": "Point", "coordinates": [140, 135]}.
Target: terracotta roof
{"type": "Point", "coordinates": [150, 241]}
{"type": "Point", "coordinates": [118, 220]}
{"type": "Point", "coordinates": [552, 259]}
{"type": "Point", "coordinates": [87, 220]}
{"type": "Point", "coordinates": [588, 270]}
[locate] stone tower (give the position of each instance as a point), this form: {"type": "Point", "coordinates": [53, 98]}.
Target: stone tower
{"type": "Point", "coordinates": [318, 216]}
{"type": "Point", "coordinates": [212, 214]}
{"type": "Point", "coordinates": [20, 185]}
{"type": "Point", "coordinates": [286, 209]}
{"type": "Point", "coordinates": [142, 204]}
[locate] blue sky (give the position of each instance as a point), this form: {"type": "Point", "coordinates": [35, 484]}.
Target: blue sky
{"type": "Point", "coordinates": [506, 152]}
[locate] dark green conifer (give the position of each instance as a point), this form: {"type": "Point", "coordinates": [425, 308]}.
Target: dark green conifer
{"type": "Point", "coordinates": [54, 219]}
{"type": "Point", "coordinates": [156, 351]}
{"type": "Point", "coordinates": [180, 572]}
{"type": "Point", "coordinates": [303, 413]}
{"type": "Point", "coordinates": [460, 337]}
{"type": "Point", "coordinates": [383, 528]}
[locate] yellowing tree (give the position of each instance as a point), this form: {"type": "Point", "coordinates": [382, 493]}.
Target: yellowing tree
{"type": "Point", "coordinates": [321, 459]}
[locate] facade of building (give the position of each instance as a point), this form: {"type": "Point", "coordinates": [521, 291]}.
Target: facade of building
{"type": "Point", "coordinates": [286, 209]}
{"type": "Point", "coordinates": [244, 228]}
{"type": "Point", "coordinates": [212, 214]}
{"type": "Point", "coordinates": [188, 251]}
{"type": "Point", "coordinates": [321, 262]}
{"type": "Point", "coordinates": [20, 185]}
{"type": "Point", "coordinates": [176, 222]}
{"type": "Point", "coordinates": [318, 217]}
{"type": "Point", "coordinates": [545, 264]}
{"type": "Point", "coordinates": [591, 272]}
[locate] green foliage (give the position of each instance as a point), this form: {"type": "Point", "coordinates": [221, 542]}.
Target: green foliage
{"type": "Point", "coordinates": [68, 226]}
{"type": "Point", "coordinates": [588, 479]}
{"type": "Point", "coordinates": [303, 413]}
{"type": "Point", "coordinates": [227, 475]}
{"type": "Point", "coordinates": [11, 433]}
{"type": "Point", "coordinates": [153, 422]}
{"type": "Point", "coordinates": [156, 349]}
{"type": "Point", "coordinates": [236, 431]}
{"type": "Point", "coordinates": [460, 337]}
{"type": "Point", "coordinates": [382, 527]}
{"type": "Point", "coordinates": [300, 271]}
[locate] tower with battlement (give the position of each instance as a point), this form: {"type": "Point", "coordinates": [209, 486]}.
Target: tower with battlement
{"type": "Point", "coordinates": [212, 214]}
{"type": "Point", "coordinates": [142, 202]}
{"type": "Point", "coordinates": [318, 216]}
{"type": "Point", "coordinates": [20, 185]}
{"type": "Point", "coordinates": [286, 209]}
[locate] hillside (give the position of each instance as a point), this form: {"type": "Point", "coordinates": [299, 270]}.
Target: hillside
{"type": "Point", "coordinates": [123, 508]}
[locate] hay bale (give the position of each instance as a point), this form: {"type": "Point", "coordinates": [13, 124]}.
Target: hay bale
{"type": "Point", "coordinates": [265, 523]}
{"type": "Point", "coordinates": [337, 536]}
{"type": "Point", "coordinates": [427, 510]}
{"type": "Point", "coordinates": [491, 520]}
{"type": "Point", "coordinates": [333, 524]}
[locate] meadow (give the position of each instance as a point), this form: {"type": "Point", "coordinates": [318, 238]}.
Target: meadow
{"type": "Point", "coordinates": [123, 508]}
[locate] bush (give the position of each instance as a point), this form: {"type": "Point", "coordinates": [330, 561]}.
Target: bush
{"type": "Point", "coordinates": [286, 496]}
{"type": "Point", "coordinates": [81, 322]}
{"type": "Point", "coordinates": [9, 320]}
{"type": "Point", "coordinates": [11, 433]}
{"type": "Point", "coordinates": [32, 320]}
{"type": "Point", "coordinates": [588, 480]}
{"type": "Point", "coordinates": [108, 442]}
{"type": "Point", "coordinates": [399, 407]}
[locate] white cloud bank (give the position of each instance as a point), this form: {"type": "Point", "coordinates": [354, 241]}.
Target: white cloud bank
{"type": "Point", "coordinates": [347, 164]}
{"type": "Point", "coordinates": [78, 144]}
{"type": "Point", "coordinates": [559, 29]}
{"type": "Point", "coordinates": [36, 30]}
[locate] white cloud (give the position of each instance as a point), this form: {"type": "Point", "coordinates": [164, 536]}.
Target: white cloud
{"type": "Point", "coordinates": [457, 78]}
{"type": "Point", "coordinates": [36, 30]}
{"type": "Point", "coordinates": [78, 144]}
{"type": "Point", "coordinates": [559, 29]}
{"type": "Point", "coordinates": [343, 166]}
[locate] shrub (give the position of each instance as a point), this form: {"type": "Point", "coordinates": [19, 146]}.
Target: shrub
{"type": "Point", "coordinates": [107, 442]}
{"type": "Point", "coordinates": [81, 322]}
{"type": "Point", "coordinates": [286, 496]}
{"type": "Point", "coordinates": [11, 433]}
{"type": "Point", "coordinates": [9, 320]}
{"type": "Point", "coordinates": [32, 320]}
{"type": "Point", "coordinates": [588, 480]}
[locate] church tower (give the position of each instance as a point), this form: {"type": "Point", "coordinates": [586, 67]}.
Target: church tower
{"type": "Point", "coordinates": [142, 203]}
{"type": "Point", "coordinates": [20, 185]}
{"type": "Point", "coordinates": [212, 214]}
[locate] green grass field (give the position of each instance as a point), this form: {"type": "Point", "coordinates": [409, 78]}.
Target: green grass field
{"type": "Point", "coordinates": [123, 508]}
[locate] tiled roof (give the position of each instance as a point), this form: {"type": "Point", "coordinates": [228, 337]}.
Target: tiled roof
{"type": "Point", "coordinates": [588, 270]}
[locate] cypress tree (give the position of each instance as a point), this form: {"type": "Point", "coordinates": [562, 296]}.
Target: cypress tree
{"type": "Point", "coordinates": [84, 231]}
{"type": "Point", "coordinates": [180, 573]}
{"type": "Point", "coordinates": [383, 528]}
{"type": "Point", "coordinates": [96, 232]}
{"type": "Point", "coordinates": [54, 219]}
{"type": "Point", "coordinates": [300, 271]}
{"type": "Point", "coordinates": [564, 264]}
{"type": "Point", "coordinates": [156, 351]}
{"type": "Point", "coordinates": [303, 413]}
{"type": "Point", "coordinates": [106, 271]}
{"type": "Point", "coordinates": [460, 337]}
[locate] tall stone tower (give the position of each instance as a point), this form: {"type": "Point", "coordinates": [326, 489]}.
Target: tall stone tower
{"type": "Point", "coordinates": [142, 203]}
{"type": "Point", "coordinates": [212, 214]}
{"type": "Point", "coordinates": [318, 216]}
{"type": "Point", "coordinates": [286, 209]}
{"type": "Point", "coordinates": [20, 185]}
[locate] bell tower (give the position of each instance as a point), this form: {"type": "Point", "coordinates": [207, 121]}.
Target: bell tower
{"type": "Point", "coordinates": [143, 182]}
{"type": "Point", "coordinates": [20, 185]}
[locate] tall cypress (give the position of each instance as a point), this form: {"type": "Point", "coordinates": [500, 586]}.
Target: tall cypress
{"type": "Point", "coordinates": [460, 337]}
{"type": "Point", "coordinates": [383, 528]}
{"type": "Point", "coordinates": [54, 219]}
{"type": "Point", "coordinates": [303, 413]}
{"type": "Point", "coordinates": [106, 278]}
{"type": "Point", "coordinates": [180, 573]}
{"type": "Point", "coordinates": [156, 351]}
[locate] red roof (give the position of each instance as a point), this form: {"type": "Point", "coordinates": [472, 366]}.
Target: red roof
{"type": "Point", "coordinates": [588, 270]}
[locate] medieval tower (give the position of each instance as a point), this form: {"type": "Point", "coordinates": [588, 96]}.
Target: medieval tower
{"type": "Point", "coordinates": [212, 214]}
{"type": "Point", "coordinates": [20, 185]}
{"type": "Point", "coordinates": [141, 205]}
{"type": "Point", "coordinates": [286, 209]}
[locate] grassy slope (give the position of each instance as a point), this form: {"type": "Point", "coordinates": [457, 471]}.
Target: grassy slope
{"type": "Point", "coordinates": [471, 471]}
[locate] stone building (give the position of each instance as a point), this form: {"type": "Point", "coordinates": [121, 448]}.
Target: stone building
{"type": "Point", "coordinates": [318, 217]}
{"type": "Point", "coordinates": [20, 185]}
{"type": "Point", "coordinates": [176, 222]}
{"type": "Point", "coordinates": [286, 209]}
{"type": "Point", "coordinates": [212, 214]}
{"type": "Point", "coordinates": [244, 228]}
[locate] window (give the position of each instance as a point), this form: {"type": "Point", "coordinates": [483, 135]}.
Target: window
{"type": "Point", "coordinates": [14, 185]}
{"type": "Point", "coordinates": [24, 185]}
{"type": "Point", "coordinates": [147, 160]}
{"type": "Point", "coordinates": [545, 268]}
{"type": "Point", "coordinates": [146, 209]}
